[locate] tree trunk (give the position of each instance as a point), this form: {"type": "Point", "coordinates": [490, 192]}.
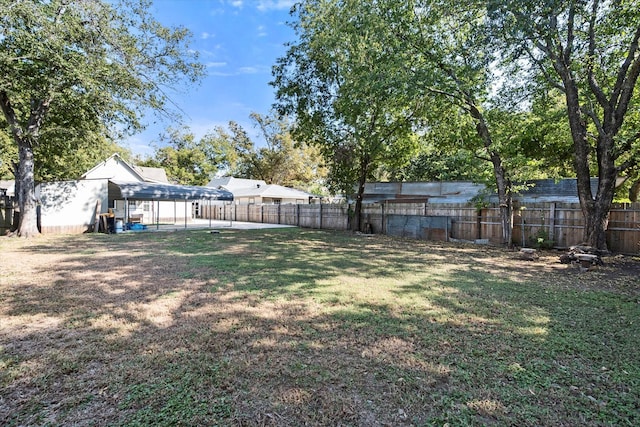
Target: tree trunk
{"type": "Point", "coordinates": [25, 138]}
{"type": "Point", "coordinates": [506, 209]}
{"type": "Point", "coordinates": [25, 186]}
{"type": "Point", "coordinates": [634, 191]}
{"type": "Point", "coordinates": [595, 210]}
{"type": "Point", "coordinates": [597, 213]}
{"type": "Point", "coordinates": [503, 184]}
{"type": "Point", "coordinates": [357, 215]}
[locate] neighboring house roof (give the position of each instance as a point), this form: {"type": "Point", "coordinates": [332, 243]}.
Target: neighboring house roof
{"type": "Point", "coordinates": [107, 170]}
{"type": "Point", "coordinates": [242, 188]}
{"type": "Point", "coordinates": [160, 191]}
{"type": "Point", "coordinates": [9, 186]}
{"type": "Point", "coordinates": [230, 183]}
{"type": "Point", "coordinates": [272, 191]}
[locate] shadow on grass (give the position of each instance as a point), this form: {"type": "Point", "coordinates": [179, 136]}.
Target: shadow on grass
{"type": "Point", "coordinates": [292, 327]}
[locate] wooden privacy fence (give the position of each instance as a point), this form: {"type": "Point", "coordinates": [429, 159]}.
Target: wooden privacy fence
{"type": "Point", "coordinates": [557, 225]}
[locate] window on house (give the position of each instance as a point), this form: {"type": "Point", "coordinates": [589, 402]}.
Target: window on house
{"type": "Point", "coordinates": [132, 205]}
{"type": "Point", "coordinates": [252, 201]}
{"type": "Point", "coordinates": [277, 201]}
{"type": "Point", "coordinates": [146, 206]}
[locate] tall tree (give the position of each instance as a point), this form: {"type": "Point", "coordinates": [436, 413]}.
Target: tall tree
{"type": "Point", "coordinates": [186, 159]}
{"type": "Point", "coordinates": [230, 151]}
{"type": "Point", "coordinates": [345, 93]}
{"type": "Point", "coordinates": [588, 50]}
{"type": "Point", "coordinates": [78, 66]}
{"type": "Point", "coordinates": [282, 160]}
{"type": "Point", "coordinates": [446, 47]}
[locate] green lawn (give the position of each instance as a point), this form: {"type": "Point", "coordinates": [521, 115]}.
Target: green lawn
{"type": "Point", "coordinates": [306, 327]}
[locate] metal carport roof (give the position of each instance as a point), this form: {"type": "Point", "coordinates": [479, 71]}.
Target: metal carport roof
{"type": "Point", "coordinates": [119, 190]}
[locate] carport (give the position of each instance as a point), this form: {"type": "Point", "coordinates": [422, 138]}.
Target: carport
{"type": "Point", "coordinates": [157, 192]}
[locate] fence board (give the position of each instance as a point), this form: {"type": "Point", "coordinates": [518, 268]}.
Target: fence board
{"type": "Point", "coordinates": [562, 223]}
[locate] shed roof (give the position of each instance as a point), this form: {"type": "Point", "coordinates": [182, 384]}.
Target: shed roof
{"type": "Point", "coordinates": [157, 191]}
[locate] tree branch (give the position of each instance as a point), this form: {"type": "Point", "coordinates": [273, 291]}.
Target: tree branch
{"type": "Point", "coordinates": [632, 163]}
{"type": "Point", "coordinates": [10, 116]}
{"type": "Point", "coordinates": [593, 84]}
{"type": "Point", "coordinates": [628, 143]}
{"type": "Point", "coordinates": [566, 53]}
{"type": "Point", "coordinates": [541, 66]}
{"type": "Point", "coordinates": [627, 78]}
{"type": "Point", "coordinates": [596, 120]}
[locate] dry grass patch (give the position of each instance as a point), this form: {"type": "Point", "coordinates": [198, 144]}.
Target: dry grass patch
{"type": "Point", "coordinates": [296, 327]}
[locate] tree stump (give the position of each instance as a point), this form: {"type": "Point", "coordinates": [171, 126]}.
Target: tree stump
{"type": "Point", "coordinates": [528, 254]}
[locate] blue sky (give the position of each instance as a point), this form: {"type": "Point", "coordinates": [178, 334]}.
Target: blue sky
{"type": "Point", "coordinates": [238, 41]}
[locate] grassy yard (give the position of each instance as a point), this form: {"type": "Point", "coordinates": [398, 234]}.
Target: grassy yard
{"type": "Point", "coordinates": [291, 327]}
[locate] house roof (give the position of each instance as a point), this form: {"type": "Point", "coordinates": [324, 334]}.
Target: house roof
{"type": "Point", "coordinates": [231, 183]}
{"type": "Point", "coordinates": [241, 187]}
{"type": "Point", "coordinates": [152, 174]}
{"type": "Point", "coordinates": [159, 191]}
{"type": "Point", "coordinates": [143, 173]}
{"type": "Point", "coordinates": [273, 191]}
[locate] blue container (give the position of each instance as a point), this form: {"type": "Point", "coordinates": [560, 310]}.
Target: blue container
{"type": "Point", "coordinates": [119, 226]}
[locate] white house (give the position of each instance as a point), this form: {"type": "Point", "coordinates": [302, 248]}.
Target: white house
{"type": "Point", "coordinates": [119, 191]}
{"type": "Point", "coordinates": [255, 191]}
{"type": "Point", "coordinates": [116, 169]}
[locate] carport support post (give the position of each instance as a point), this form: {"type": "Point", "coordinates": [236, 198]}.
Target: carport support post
{"type": "Point", "coordinates": [158, 216]}
{"type": "Point", "coordinates": [185, 214]}
{"type": "Point", "coordinates": [210, 212]}
{"type": "Point", "coordinates": [126, 211]}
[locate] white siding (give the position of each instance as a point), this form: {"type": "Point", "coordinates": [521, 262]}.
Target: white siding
{"type": "Point", "coordinates": [71, 203]}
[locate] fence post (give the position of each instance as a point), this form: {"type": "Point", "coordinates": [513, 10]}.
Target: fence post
{"type": "Point", "coordinates": [524, 242]}
{"type": "Point", "coordinates": [320, 225]}
{"type": "Point", "coordinates": [382, 222]}
{"type": "Point", "coordinates": [552, 221]}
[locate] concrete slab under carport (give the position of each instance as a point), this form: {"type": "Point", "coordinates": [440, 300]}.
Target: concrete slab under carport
{"type": "Point", "coordinates": [199, 224]}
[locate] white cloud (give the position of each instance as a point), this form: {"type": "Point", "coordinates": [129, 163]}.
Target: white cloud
{"type": "Point", "coordinates": [237, 3]}
{"type": "Point", "coordinates": [204, 35]}
{"type": "Point", "coordinates": [264, 5]}
{"type": "Point", "coordinates": [216, 64]}
{"type": "Point", "coordinates": [220, 74]}
{"type": "Point", "coordinates": [262, 31]}
{"type": "Point", "coordinates": [248, 70]}
{"type": "Point", "coordinates": [209, 53]}
{"type": "Point", "coordinates": [239, 71]}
